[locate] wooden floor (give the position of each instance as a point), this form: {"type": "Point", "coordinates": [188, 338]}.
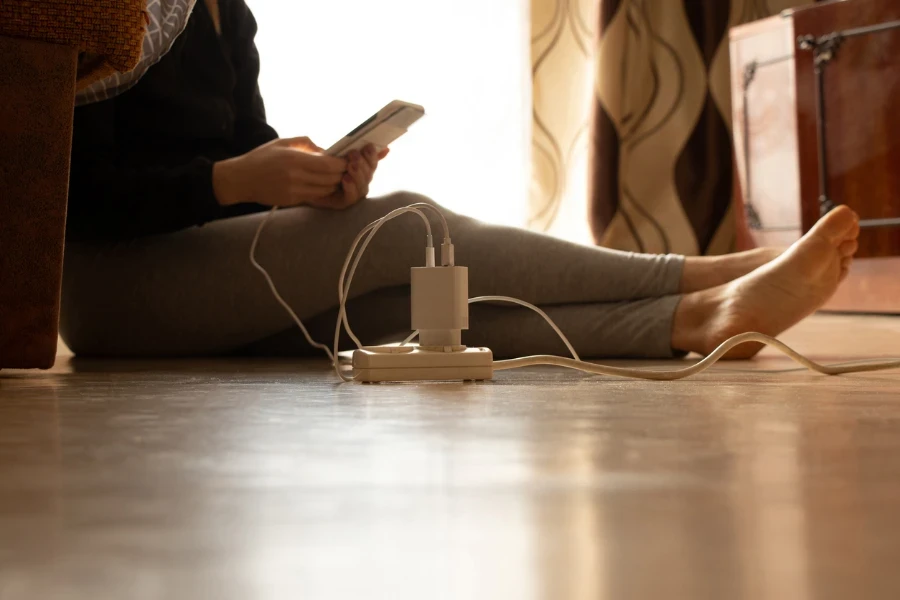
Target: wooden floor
{"type": "Point", "coordinates": [262, 479]}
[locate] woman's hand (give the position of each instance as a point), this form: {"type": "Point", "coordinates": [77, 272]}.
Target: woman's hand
{"type": "Point", "coordinates": [355, 182]}
{"type": "Point", "coordinates": [286, 172]}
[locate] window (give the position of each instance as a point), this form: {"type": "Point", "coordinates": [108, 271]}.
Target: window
{"type": "Point", "coordinates": [327, 65]}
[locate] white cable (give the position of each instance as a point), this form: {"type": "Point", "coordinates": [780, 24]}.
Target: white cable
{"type": "Point", "coordinates": [393, 214]}
{"type": "Point", "coordinates": [535, 309]}
{"type": "Point", "coordinates": [340, 294]}
{"type": "Point", "coordinates": [669, 375]}
{"type": "Point", "coordinates": [445, 228]}
{"type": "Point", "coordinates": [333, 355]}
{"type": "Point", "coordinates": [287, 307]}
{"type": "Point", "coordinates": [372, 228]}
{"type": "Point", "coordinates": [343, 291]}
{"type": "Point", "coordinates": [520, 303]}
{"type": "Point", "coordinates": [838, 369]}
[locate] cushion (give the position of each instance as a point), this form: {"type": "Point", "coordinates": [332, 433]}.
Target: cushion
{"type": "Point", "coordinates": [110, 31]}
{"type": "Point", "coordinates": [166, 21]}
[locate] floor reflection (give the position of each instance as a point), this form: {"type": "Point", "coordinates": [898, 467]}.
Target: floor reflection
{"type": "Point", "coordinates": [768, 496]}
{"type": "Point", "coordinates": [31, 471]}
{"type": "Point", "coordinates": [230, 482]}
{"type": "Point", "coordinates": [708, 504]}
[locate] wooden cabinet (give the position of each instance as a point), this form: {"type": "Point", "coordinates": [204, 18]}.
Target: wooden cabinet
{"type": "Point", "coordinates": [816, 101]}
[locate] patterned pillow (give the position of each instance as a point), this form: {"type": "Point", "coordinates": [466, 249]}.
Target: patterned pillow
{"type": "Point", "coordinates": [167, 20]}
{"type": "Point", "coordinates": [107, 34]}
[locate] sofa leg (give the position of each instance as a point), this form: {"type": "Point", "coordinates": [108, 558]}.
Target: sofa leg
{"type": "Point", "coordinates": [37, 90]}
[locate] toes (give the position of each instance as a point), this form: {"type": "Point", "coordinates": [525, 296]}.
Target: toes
{"type": "Point", "coordinates": [846, 262]}
{"type": "Point", "coordinates": [838, 225]}
{"type": "Point", "coordinates": [848, 248]}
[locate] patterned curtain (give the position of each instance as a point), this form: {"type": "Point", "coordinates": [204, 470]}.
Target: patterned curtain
{"type": "Point", "coordinates": [632, 121]}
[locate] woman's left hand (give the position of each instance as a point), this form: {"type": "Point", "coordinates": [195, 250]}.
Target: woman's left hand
{"type": "Point", "coordinates": [361, 168]}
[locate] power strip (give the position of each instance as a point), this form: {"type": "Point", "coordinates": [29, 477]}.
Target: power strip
{"type": "Point", "coordinates": [375, 364]}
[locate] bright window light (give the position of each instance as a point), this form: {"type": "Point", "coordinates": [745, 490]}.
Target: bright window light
{"type": "Point", "coordinates": [326, 66]}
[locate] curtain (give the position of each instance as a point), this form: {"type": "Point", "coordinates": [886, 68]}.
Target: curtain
{"type": "Point", "coordinates": [631, 136]}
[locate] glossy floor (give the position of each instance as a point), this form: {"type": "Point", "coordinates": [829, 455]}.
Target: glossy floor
{"type": "Point", "coordinates": [263, 479]}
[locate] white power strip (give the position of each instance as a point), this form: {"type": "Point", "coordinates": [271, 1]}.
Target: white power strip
{"type": "Point", "coordinates": [374, 364]}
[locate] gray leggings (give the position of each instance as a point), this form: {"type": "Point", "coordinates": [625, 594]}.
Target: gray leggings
{"type": "Point", "coordinates": [195, 293]}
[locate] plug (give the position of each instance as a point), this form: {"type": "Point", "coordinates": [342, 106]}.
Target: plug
{"type": "Point", "coordinates": [440, 306]}
{"type": "Point", "coordinates": [447, 258]}
{"type": "Point", "coordinates": [429, 251]}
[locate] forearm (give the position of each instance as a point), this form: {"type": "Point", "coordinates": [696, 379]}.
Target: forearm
{"type": "Point", "coordinates": [226, 182]}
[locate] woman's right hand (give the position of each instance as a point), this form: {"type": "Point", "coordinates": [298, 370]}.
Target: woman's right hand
{"type": "Point", "coordinates": [286, 172]}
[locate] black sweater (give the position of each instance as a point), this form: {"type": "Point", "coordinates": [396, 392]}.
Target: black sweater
{"type": "Point", "coordinates": [142, 161]}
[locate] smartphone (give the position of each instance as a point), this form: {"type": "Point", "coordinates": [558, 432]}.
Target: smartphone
{"type": "Point", "coordinates": [381, 129]}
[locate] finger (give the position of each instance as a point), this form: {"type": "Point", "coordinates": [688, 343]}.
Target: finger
{"type": "Point", "coordinates": [317, 163]}
{"type": "Point", "coordinates": [360, 169]}
{"type": "Point", "coordinates": [303, 176]}
{"type": "Point", "coordinates": [351, 192]}
{"type": "Point", "coordinates": [362, 175]}
{"type": "Point", "coordinates": [367, 165]}
{"type": "Point", "coordinates": [370, 174]}
{"type": "Point", "coordinates": [305, 193]}
{"type": "Point", "coordinates": [303, 143]}
{"type": "Point", "coordinates": [326, 164]}
{"type": "Point", "coordinates": [353, 159]}
{"type": "Point", "coordinates": [371, 156]}
{"type": "Point", "coordinates": [384, 153]}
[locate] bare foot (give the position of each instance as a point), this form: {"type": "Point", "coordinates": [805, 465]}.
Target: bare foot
{"type": "Point", "coordinates": [702, 273]}
{"type": "Point", "coordinates": [775, 296]}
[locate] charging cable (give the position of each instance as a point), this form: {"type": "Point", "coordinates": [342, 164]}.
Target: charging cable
{"type": "Point", "coordinates": [520, 303]}
{"type": "Point", "coordinates": [344, 290]}
{"type": "Point", "coordinates": [447, 259]}
{"type": "Point", "coordinates": [274, 289]}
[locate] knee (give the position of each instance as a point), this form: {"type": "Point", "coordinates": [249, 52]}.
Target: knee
{"type": "Point", "coordinates": [455, 222]}
{"type": "Point", "coordinates": [400, 199]}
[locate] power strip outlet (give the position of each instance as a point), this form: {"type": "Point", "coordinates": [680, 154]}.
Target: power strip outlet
{"type": "Point", "coordinates": [375, 364]}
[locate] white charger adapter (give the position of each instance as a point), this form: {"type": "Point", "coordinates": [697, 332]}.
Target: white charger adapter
{"type": "Point", "coordinates": [440, 312]}
{"type": "Point", "coordinates": [440, 306]}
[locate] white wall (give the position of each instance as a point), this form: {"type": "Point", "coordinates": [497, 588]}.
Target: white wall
{"type": "Point", "coordinates": [329, 64]}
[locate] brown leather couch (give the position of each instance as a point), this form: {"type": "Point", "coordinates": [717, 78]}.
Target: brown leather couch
{"type": "Point", "coordinates": [49, 49]}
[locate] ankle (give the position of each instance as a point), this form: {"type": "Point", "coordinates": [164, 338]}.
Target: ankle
{"type": "Point", "coordinates": [697, 273]}
{"type": "Point", "coordinates": [691, 327]}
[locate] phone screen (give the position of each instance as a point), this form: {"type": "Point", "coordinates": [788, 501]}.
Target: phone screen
{"type": "Point", "coordinates": [362, 125]}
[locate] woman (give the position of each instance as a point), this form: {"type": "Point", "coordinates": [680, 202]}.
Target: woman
{"type": "Point", "coordinates": [171, 180]}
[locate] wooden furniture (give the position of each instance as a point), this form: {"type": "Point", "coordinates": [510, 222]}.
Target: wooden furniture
{"type": "Point", "coordinates": [816, 102]}
{"type": "Point", "coordinates": [49, 50]}
{"type": "Point", "coordinates": [35, 142]}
